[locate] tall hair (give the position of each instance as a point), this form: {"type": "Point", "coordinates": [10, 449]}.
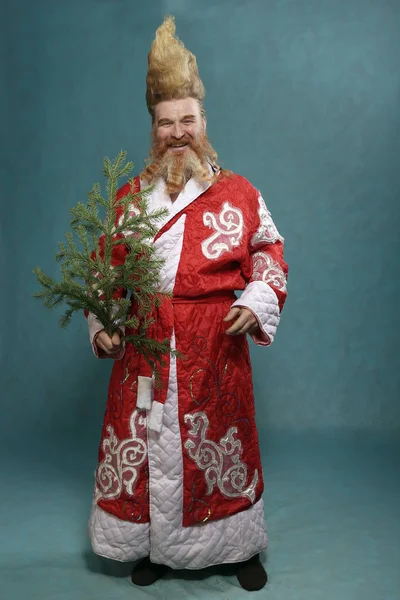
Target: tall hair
{"type": "Point", "coordinates": [172, 69]}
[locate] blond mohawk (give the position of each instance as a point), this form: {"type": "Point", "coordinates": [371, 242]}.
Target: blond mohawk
{"type": "Point", "coordinates": [172, 69]}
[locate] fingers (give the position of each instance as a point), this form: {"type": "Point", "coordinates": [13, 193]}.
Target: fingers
{"type": "Point", "coordinates": [108, 345]}
{"type": "Point", "coordinates": [245, 323]}
{"type": "Point", "coordinates": [253, 328]}
{"type": "Point", "coordinates": [238, 325]}
{"type": "Point", "coordinates": [233, 313]}
{"type": "Point", "coordinates": [104, 341]}
{"type": "Point", "coordinates": [116, 340]}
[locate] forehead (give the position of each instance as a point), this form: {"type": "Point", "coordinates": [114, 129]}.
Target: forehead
{"type": "Point", "coordinates": [176, 109]}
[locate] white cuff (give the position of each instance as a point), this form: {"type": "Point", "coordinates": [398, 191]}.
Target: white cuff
{"type": "Point", "coordinates": [261, 300]}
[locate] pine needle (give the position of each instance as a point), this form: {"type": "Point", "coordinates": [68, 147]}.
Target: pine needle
{"type": "Point", "coordinates": [95, 278]}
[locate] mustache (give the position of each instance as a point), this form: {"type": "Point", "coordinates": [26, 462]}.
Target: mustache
{"type": "Point", "coordinates": [178, 167]}
{"type": "Point", "coordinates": [161, 146]}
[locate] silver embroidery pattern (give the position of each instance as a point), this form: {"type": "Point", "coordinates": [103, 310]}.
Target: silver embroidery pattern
{"type": "Point", "coordinates": [119, 468]}
{"type": "Point", "coordinates": [132, 212]}
{"type": "Point", "coordinates": [221, 462]}
{"type": "Point", "coordinates": [228, 231]}
{"type": "Point", "coordinates": [267, 232]}
{"type": "Point", "coordinates": [265, 269]}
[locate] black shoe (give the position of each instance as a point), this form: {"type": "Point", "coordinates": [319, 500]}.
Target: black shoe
{"type": "Point", "coordinates": [147, 573]}
{"type": "Point", "coordinates": [251, 574]}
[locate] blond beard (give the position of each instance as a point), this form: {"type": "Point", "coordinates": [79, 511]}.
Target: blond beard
{"type": "Point", "coordinates": [177, 168]}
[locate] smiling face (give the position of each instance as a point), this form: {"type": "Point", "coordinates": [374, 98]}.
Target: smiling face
{"type": "Point", "coordinates": [180, 149]}
{"type": "Point", "coordinates": [177, 122]}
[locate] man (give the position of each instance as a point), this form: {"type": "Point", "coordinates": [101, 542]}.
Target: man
{"type": "Point", "coordinates": [179, 482]}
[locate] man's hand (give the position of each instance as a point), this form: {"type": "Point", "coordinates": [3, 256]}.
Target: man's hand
{"type": "Point", "coordinates": [111, 346]}
{"type": "Point", "coordinates": [245, 321]}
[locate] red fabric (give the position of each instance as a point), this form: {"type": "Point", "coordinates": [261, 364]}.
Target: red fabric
{"type": "Point", "coordinates": [214, 377]}
{"type": "Point", "coordinates": [233, 270]}
{"type": "Point", "coordinates": [215, 380]}
{"type": "Point", "coordinates": [119, 252]}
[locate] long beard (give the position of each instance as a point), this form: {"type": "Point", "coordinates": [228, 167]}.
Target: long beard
{"type": "Point", "coordinates": [177, 168]}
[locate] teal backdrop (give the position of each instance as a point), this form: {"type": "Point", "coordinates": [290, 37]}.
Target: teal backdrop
{"type": "Point", "coordinates": [303, 99]}
{"type": "Point", "coordinates": [303, 102]}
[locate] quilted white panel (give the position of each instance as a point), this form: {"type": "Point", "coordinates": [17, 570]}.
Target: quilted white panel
{"type": "Point", "coordinates": [192, 190]}
{"type": "Point", "coordinates": [120, 540]}
{"type": "Point", "coordinates": [261, 299]}
{"type": "Point", "coordinates": [169, 248]}
{"type": "Point", "coordinates": [228, 540]}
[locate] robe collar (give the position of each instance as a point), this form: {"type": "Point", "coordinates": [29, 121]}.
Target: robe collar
{"type": "Point", "coordinates": [192, 190]}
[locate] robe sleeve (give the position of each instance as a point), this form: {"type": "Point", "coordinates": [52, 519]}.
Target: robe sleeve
{"type": "Point", "coordinates": [118, 256]}
{"type": "Point", "coordinates": [265, 292]}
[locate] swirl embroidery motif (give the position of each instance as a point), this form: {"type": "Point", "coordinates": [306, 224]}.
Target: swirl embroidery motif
{"type": "Point", "coordinates": [120, 466]}
{"type": "Point", "coordinates": [133, 211]}
{"type": "Point", "coordinates": [265, 269]}
{"type": "Point", "coordinates": [228, 226]}
{"type": "Point", "coordinates": [221, 462]}
{"type": "Point", "coordinates": [267, 232]}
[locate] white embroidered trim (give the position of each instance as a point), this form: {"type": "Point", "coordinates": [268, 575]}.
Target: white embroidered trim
{"type": "Point", "coordinates": [228, 226]}
{"type": "Point", "coordinates": [267, 232]}
{"type": "Point", "coordinates": [221, 462]}
{"type": "Point", "coordinates": [267, 270]}
{"type": "Point", "coordinates": [230, 539]}
{"type": "Point", "coordinates": [133, 211]}
{"type": "Point", "coordinates": [118, 468]}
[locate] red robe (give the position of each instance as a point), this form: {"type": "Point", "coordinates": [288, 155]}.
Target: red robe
{"type": "Point", "coordinates": [216, 240]}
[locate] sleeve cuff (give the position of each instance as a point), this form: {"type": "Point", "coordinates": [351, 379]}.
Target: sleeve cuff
{"type": "Point", "coordinates": [261, 300]}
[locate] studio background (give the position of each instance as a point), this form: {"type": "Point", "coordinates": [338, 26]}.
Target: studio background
{"type": "Point", "coordinates": [303, 100]}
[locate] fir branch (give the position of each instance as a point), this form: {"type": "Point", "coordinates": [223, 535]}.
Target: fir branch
{"type": "Point", "coordinates": [91, 280]}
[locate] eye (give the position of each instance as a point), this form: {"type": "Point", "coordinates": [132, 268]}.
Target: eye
{"type": "Point", "coordinates": [188, 121]}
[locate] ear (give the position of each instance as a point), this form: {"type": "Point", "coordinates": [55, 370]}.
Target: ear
{"type": "Point", "coordinates": [204, 124]}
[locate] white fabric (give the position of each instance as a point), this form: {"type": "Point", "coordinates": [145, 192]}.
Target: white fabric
{"type": "Point", "coordinates": [145, 392]}
{"type": "Point", "coordinates": [160, 199]}
{"type": "Point", "coordinates": [169, 248]}
{"type": "Point", "coordinates": [117, 539]}
{"type": "Point", "coordinates": [155, 419]}
{"type": "Point", "coordinates": [227, 540]}
{"type": "Point", "coordinates": [169, 245]}
{"type": "Point", "coordinates": [192, 190]}
{"type": "Point", "coordinates": [95, 326]}
{"type": "Point", "coordinates": [262, 301]}
{"type": "Point", "coordinates": [267, 232]}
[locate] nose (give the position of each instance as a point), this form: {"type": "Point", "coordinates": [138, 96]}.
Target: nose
{"type": "Point", "coordinates": [177, 131]}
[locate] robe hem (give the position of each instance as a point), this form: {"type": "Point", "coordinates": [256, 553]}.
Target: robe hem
{"type": "Point", "coordinates": [207, 566]}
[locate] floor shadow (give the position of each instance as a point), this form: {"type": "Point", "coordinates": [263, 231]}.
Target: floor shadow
{"type": "Point", "coordinates": [192, 575]}
{"type": "Point", "coordinates": [106, 566]}
{"type": "Point", "coordinates": [113, 568]}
